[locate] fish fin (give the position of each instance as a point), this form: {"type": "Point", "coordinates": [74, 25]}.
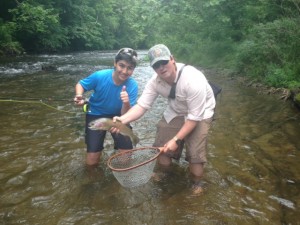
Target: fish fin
{"type": "Point", "coordinates": [135, 139]}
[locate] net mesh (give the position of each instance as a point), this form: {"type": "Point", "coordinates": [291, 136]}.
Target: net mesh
{"type": "Point", "coordinates": [134, 167]}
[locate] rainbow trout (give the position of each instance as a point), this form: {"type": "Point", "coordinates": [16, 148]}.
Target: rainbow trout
{"type": "Point", "coordinates": [107, 124]}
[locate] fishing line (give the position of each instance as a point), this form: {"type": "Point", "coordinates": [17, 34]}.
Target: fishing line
{"type": "Point", "coordinates": [37, 101]}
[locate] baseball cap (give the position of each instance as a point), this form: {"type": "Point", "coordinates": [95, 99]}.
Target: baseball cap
{"type": "Point", "coordinates": [158, 53]}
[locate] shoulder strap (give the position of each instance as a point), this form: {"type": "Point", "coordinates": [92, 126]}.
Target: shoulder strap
{"type": "Point", "coordinates": [173, 88]}
{"type": "Point", "coordinates": [179, 74]}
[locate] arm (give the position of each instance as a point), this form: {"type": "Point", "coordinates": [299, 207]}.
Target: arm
{"type": "Point", "coordinates": [196, 104]}
{"type": "Point", "coordinates": [138, 110]}
{"type": "Point", "coordinates": [78, 99]}
{"type": "Point", "coordinates": [125, 99]}
{"type": "Point", "coordinates": [133, 114]}
{"type": "Point", "coordinates": [125, 108]}
{"type": "Point", "coordinates": [187, 128]}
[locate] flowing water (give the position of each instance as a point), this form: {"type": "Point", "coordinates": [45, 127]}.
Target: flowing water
{"type": "Point", "coordinates": [253, 174]}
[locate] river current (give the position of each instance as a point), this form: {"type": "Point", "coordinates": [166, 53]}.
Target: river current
{"type": "Point", "coordinates": [252, 177]}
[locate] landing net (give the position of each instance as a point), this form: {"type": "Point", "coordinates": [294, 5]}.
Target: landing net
{"type": "Point", "coordinates": [134, 167]}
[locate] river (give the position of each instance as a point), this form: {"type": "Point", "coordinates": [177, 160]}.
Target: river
{"type": "Point", "coordinates": [252, 177]}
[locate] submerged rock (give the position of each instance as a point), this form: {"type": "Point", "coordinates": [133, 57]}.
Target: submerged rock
{"type": "Point", "coordinates": [296, 98]}
{"type": "Point", "coordinates": [49, 68]}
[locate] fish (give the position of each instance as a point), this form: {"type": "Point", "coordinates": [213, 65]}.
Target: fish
{"type": "Point", "coordinates": [107, 124]}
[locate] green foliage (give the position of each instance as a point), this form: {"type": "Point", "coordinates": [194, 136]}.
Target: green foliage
{"type": "Point", "coordinates": [280, 76]}
{"type": "Point", "coordinates": [297, 99]}
{"type": "Point", "coordinates": [37, 28]}
{"type": "Point", "coordinates": [271, 53]}
{"type": "Point", "coordinates": [258, 38]}
{"type": "Point", "coordinates": [86, 24]}
{"type": "Point", "coordinates": [7, 43]}
{"type": "Point", "coordinates": [195, 31]}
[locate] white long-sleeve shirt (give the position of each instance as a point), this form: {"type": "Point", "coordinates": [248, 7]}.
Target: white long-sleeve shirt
{"type": "Point", "coordinates": [194, 96]}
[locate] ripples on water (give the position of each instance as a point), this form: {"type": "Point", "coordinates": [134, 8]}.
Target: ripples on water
{"type": "Point", "coordinates": [252, 176]}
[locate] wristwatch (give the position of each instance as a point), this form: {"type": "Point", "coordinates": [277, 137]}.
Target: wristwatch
{"type": "Point", "coordinates": [178, 141]}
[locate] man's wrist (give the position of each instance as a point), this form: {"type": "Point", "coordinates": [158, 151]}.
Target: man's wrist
{"type": "Point", "coordinates": [177, 140]}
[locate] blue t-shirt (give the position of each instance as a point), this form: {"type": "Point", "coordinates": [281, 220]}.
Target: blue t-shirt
{"type": "Point", "coordinates": [105, 99]}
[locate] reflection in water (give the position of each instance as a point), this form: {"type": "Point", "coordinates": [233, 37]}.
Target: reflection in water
{"type": "Point", "coordinates": [253, 175]}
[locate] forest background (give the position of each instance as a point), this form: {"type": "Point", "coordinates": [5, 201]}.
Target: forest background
{"type": "Point", "coordinates": [259, 39]}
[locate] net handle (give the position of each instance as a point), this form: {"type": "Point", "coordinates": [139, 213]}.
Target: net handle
{"type": "Point", "coordinates": [132, 150]}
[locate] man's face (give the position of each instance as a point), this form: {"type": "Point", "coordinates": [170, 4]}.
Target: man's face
{"type": "Point", "coordinates": [166, 69]}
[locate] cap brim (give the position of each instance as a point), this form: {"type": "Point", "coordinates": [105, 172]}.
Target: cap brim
{"type": "Point", "coordinates": [163, 58]}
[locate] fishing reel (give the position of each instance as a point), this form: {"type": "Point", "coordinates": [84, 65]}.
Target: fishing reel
{"type": "Point", "coordinates": [86, 107]}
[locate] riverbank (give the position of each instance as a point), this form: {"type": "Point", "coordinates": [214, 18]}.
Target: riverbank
{"type": "Point", "coordinates": [283, 94]}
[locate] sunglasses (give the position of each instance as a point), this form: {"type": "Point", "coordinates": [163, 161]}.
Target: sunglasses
{"type": "Point", "coordinates": [160, 63]}
{"type": "Point", "coordinates": [127, 51]}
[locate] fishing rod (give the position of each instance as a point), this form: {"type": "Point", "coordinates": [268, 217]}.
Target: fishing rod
{"type": "Point", "coordinates": [36, 101]}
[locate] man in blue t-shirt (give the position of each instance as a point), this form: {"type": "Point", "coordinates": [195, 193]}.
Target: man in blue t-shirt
{"type": "Point", "coordinates": [114, 93]}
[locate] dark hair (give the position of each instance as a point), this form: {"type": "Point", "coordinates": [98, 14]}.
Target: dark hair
{"type": "Point", "coordinates": [127, 54]}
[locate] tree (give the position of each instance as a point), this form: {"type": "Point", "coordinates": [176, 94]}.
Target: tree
{"type": "Point", "coordinates": [37, 28]}
{"type": "Point", "coordinates": [8, 44]}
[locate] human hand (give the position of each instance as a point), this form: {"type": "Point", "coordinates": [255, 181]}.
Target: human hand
{"type": "Point", "coordinates": [115, 129]}
{"type": "Point", "coordinates": [124, 95]}
{"type": "Point", "coordinates": [171, 145]}
{"type": "Point", "coordinates": [78, 100]}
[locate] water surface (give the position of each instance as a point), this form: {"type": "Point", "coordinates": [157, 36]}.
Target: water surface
{"type": "Point", "coordinates": [253, 174]}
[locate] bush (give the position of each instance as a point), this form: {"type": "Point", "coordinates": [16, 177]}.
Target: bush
{"type": "Point", "coordinates": [38, 28]}
{"type": "Point", "coordinates": [271, 53]}
{"type": "Point", "coordinates": [281, 76]}
{"type": "Point", "coordinates": [8, 46]}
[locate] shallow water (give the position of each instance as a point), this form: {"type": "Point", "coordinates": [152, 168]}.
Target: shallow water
{"type": "Point", "coordinates": [253, 174]}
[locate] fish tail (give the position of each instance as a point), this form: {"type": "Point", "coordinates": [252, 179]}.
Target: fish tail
{"type": "Point", "coordinates": [134, 140]}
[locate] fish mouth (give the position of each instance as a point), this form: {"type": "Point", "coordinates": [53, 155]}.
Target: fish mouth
{"type": "Point", "coordinates": [92, 128]}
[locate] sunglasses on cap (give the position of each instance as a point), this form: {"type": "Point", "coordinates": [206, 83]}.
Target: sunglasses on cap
{"type": "Point", "coordinates": [160, 63]}
{"type": "Point", "coordinates": [127, 51]}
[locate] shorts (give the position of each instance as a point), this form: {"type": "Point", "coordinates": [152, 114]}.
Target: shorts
{"type": "Point", "coordinates": [195, 142]}
{"type": "Point", "coordinates": [94, 139]}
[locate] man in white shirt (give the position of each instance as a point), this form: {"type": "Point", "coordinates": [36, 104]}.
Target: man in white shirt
{"type": "Point", "coordinates": [188, 116]}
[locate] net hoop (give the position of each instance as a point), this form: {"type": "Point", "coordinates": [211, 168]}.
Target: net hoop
{"type": "Point", "coordinates": [128, 152]}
